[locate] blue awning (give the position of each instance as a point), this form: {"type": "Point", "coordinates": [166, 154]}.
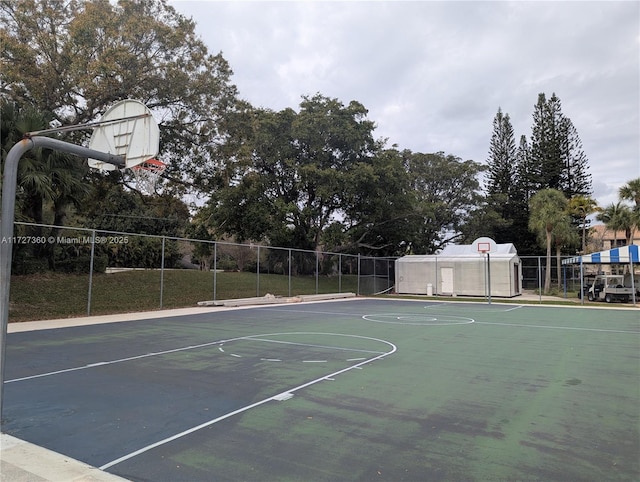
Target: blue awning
{"type": "Point", "coordinates": [623, 255]}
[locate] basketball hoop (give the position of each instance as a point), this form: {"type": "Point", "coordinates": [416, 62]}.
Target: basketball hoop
{"type": "Point", "coordinates": [148, 174]}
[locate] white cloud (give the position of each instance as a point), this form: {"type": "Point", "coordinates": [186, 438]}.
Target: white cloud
{"type": "Point", "coordinates": [433, 74]}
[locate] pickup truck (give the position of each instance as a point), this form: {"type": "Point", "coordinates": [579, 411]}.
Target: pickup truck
{"type": "Point", "coordinates": [609, 288]}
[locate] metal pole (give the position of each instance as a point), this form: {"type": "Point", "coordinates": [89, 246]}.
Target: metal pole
{"type": "Point", "coordinates": [633, 282]}
{"type": "Point", "coordinates": [582, 293]}
{"type": "Point", "coordinates": [9, 182]}
{"type": "Point", "coordinates": [489, 276]}
{"type": "Point", "coordinates": [258, 273]}
{"type": "Point", "coordinates": [93, 251]}
{"type": "Point", "coordinates": [162, 272]}
{"type": "Point", "coordinates": [289, 273]}
{"type": "Point", "coordinates": [215, 270]}
{"type": "Point", "coordinates": [316, 272]}
{"type": "Point", "coordinates": [540, 281]}
{"type": "Point", "coordinates": [484, 261]}
{"type": "Point", "coordinates": [339, 273]}
{"type": "Point", "coordinates": [358, 275]}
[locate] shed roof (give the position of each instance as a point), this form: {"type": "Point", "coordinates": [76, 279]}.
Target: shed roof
{"type": "Point", "coordinates": [465, 249]}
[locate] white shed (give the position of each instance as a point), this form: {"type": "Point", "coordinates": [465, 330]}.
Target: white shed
{"type": "Point", "coordinates": [461, 271]}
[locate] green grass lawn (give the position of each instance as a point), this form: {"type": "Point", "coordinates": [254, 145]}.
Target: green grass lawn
{"type": "Point", "coordinates": [51, 296]}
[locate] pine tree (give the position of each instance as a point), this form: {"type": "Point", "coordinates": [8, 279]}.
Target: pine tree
{"type": "Point", "coordinates": [556, 150]}
{"type": "Point", "coordinates": [502, 157]}
{"type": "Point", "coordinates": [525, 185]}
{"type": "Point", "coordinates": [501, 167]}
{"type": "Point", "coordinates": [576, 180]}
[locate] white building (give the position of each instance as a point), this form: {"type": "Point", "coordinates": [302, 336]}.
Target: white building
{"type": "Point", "coordinates": [461, 271]}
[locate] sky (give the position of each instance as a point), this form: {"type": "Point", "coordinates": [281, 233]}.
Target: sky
{"type": "Point", "coordinates": [433, 74]}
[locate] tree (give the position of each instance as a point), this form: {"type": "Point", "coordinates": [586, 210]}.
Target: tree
{"type": "Point", "coordinates": [556, 150]}
{"type": "Point", "coordinates": [501, 172]}
{"type": "Point", "coordinates": [545, 143]}
{"type": "Point", "coordinates": [447, 194]}
{"type": "Point", "coordinates": [72, 59]}
{"type": "Point", "coordinates": [582, 207]}
{"type": "Point", "coordinates": [618, 217]}
{"type": "Point", "coordinates": [547, 208]}
{"type": "Point", "coordinates": [502, 157]}
{"type": "Point", "coordinates": [305, 168]}
{"type": "Point", "coordinates": [48, 182]}
{"type": "Point", "coordinates": [631, 192]}
{"type": "Point", "coordinates": [564, 236]}
{"type": "Point", "coordinates": [576, 180]}
{"type": "Point", "coordinates": [525, 185]}
{"type": "Point", "coordinates": [379, 215]}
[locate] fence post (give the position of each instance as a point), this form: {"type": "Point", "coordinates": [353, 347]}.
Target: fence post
{"type": "Point", "coordinates": [93, 251]}
{"type": "Point", "coordinates": [289, 273]}
{"type": "Point", "coordinates": [317, 272]}
{"type": "Point", "coordinates": [162, 272]}
{"type": "Point", "coordinates": [540, 280]}
{"type": "Point", "coordinates": [358, 289]}
{"type": "Point", "coordinates": [340, 273]}
{"type": "Point", "coordinates": [258, 273]}
{"type": "Point", "coordinates": [215, 270]}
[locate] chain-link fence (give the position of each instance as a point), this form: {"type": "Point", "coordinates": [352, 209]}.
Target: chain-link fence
{"type": "Point", "coordinates": [168, 272]}
{"type": "Point", "coordinates": [565, 279]}
{"type": "Point", "coordinates": [180, 271]}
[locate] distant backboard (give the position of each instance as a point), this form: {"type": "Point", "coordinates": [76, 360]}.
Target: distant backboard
{"type": "Point", "coordinates": [485, 245]}
{"type": "Point", "coordinates": [126, 129]}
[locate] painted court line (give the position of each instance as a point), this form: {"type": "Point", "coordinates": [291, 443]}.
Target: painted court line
{"type": "Point", "coordinates": [278, 396]}
{"type": "Point", "coordinates": [186, 348]}
{"type": "Point", "coordinates": [112, 362]}
{"type": "Point", "coordinates": [309, 345]}
{"type": "Point", "coordinates": [551, 327]}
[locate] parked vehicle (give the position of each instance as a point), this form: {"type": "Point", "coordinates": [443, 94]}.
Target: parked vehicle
{"type": "Point", "coordinates": [609, 288]}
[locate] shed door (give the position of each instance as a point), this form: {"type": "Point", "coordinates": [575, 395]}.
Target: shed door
{"type": "Point", "coordinates": [516, 279]}
{"type": "Point", "coordinates": [446, 280]}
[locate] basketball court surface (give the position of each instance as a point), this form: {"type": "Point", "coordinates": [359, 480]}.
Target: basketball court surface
{"type": "Point", "coordinates": [362, 389]}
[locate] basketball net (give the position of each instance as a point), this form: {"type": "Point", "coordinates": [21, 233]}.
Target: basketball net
{"type": "Point", "coordinates": [148, 174]}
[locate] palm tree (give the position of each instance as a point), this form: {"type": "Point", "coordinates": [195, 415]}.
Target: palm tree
{"type": "Point", "coordinates": [631, 192]}
{"type": "Point", "coordinates": [582, 207]}
{"type": "Point", "coordinates": [618, 217]}
{"type": "Point", "coordinates": [564, 235]}
{"type": "Point", "coordinates": [45, 177]}
{"type": "Point", "coordinates": [547, 210]}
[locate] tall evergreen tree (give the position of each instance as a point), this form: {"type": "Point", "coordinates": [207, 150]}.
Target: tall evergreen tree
{"type": "Point", "coordinates": [576, 180]}
{"type": "Point", "coordinates": [558, 160]}
{"type": "Point", "coordinates": [502, 156]}
{"type": "Point", "coordinates": [501, 167]}
{"type": "Point", "coordinates": [545, 142]}
{"type": "Point", "coordinates": [525, 185]}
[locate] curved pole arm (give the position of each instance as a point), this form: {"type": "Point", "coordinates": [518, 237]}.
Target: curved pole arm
{"type": "Point", "coordinates": [9, 182]}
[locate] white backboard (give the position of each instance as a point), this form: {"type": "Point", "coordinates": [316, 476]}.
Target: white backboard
{"type": "Point", "coordinates": [485, 245]}
{"type": "Point", "coordinates": [129, 130]}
